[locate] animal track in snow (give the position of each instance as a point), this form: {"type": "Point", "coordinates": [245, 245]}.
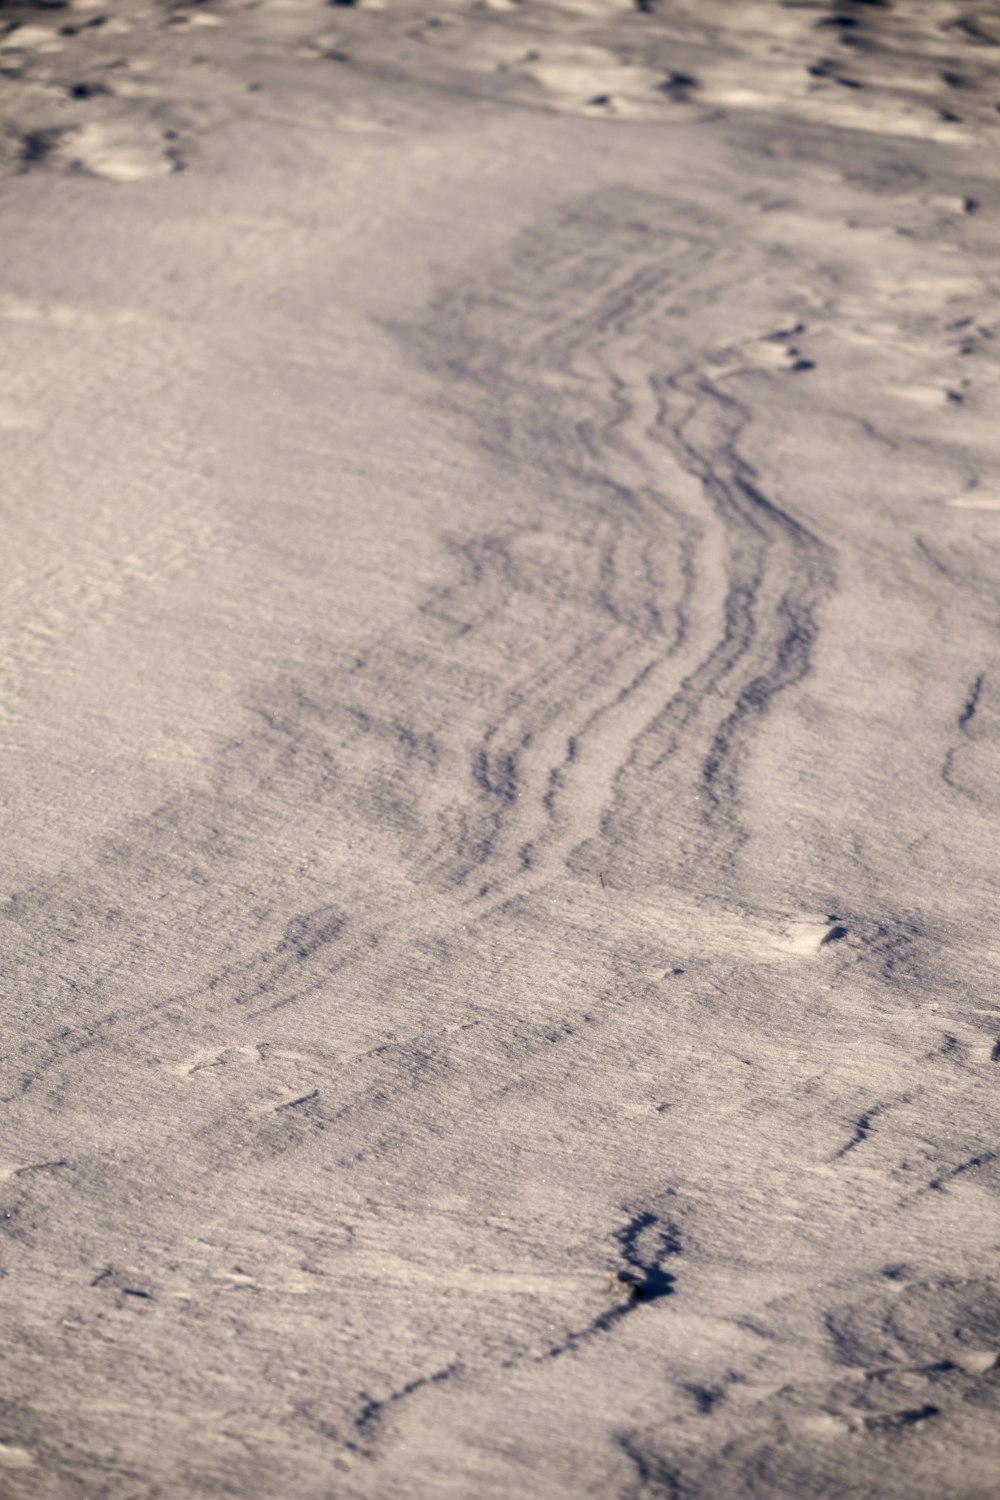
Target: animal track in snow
{"type": "Point", "coordinates": [920, 1326]}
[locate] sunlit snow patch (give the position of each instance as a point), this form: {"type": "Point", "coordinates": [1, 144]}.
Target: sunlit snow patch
{"type": "Point", "coordinates": [579, 77]}
{"type": "Point", "coordinates": [13, 1457]}
{"type": "Point", "coordinates": [808, 934]}
{"type": "Point", "coordinates": [31, 39]}
{"type": "Point", "coordinates": [125, 153]}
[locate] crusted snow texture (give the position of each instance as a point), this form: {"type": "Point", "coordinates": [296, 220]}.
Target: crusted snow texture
{"type": "Point", "coordinates": [500, 706]}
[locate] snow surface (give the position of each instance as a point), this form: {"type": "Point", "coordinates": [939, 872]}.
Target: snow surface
{"type": "Point", "coordinates": [500, 708]}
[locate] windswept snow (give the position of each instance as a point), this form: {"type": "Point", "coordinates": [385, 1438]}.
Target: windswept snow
{"type": "Point", "coordinates": [500, 707]}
